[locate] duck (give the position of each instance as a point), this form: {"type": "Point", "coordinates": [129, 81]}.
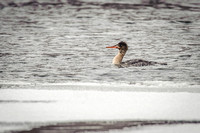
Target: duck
{"type": "Point", "coordinates": [123, 48]}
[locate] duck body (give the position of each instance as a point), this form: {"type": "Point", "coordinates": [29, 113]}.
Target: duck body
{"type": "Point", "coordinates": [140, 62]}
{"type": "Point", "coordinates": [123, 47]}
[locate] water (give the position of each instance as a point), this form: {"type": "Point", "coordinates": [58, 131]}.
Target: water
{"type": "Point", "coordinates": [65, 42]}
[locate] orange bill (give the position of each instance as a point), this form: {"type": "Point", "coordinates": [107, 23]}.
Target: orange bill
{"type": "Point", "coordinates": [113, 46]}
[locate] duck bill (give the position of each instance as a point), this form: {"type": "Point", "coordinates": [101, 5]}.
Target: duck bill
{"type": "Point", "coordinates": [112, 46]}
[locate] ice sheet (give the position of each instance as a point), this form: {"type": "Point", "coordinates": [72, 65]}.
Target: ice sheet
{"type": "Point", "coordinates": [28, 105]}
{"type": "Point", "coordinates": [27, 108]}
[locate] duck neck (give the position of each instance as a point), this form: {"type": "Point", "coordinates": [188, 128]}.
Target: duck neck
{"type": "Point", "coordinates": [118, 58]}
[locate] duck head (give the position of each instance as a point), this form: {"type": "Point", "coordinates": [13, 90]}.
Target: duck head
{"type": "Point", "coordinates": [122, 46]}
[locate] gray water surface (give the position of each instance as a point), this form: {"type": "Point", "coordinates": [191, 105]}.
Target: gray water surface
{"type": "Point", "coordinates": [64, 41]}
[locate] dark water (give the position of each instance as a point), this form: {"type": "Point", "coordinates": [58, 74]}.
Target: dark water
{"type": "Point", "coordinates": [64, 41]}
{"type": "Point", "coordinates": [102, 126]}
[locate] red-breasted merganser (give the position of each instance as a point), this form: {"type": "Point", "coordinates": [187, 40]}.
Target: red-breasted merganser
{"type": "Point", "coordinates": [123, 47]}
